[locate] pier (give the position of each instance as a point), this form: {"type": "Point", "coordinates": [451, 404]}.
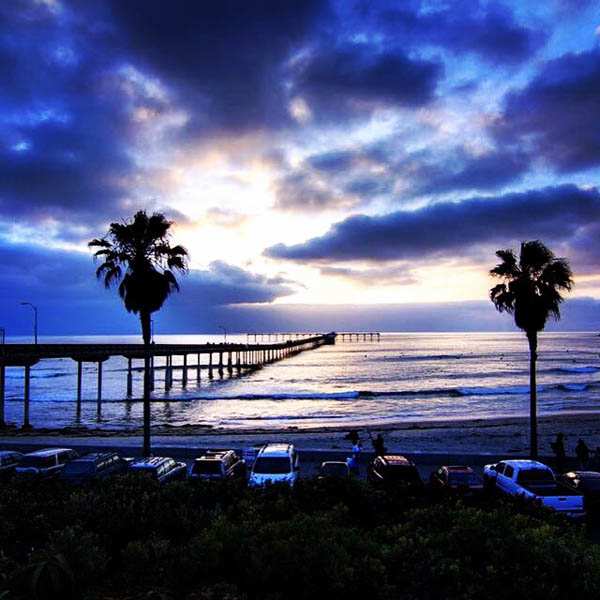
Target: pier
{"type": "Point", "coordinates": [215, 359]}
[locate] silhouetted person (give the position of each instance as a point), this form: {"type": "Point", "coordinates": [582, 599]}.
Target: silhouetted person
{"type": "Point", "coordinates": [378, 445]}
{"type": "Point", "coordinates": [352, 463]}
{"type": "Point", "coordinates": [558, 447]}
{"type": "Point", "coordinates": [582, 452]}
{"type": "Point", "coordinates": [353, 437]}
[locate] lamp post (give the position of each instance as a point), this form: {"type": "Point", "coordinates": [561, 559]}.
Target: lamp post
{"type": "Point", "coordinates": [35, 320]}
{"type": "Point", "coordinates": [224, 333]}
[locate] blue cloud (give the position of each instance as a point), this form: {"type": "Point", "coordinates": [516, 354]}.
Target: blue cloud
{"type": "Point", "coordinates": [488, 30]}
{"type": "Point", "coordinates": [557, 115]}
{"type": "Point", "coordinates": [339, 78]}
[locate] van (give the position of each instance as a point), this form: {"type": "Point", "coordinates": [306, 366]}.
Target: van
{"type": "Point", "coordinates": [48, 462]}
{"type": "Point", "coordinates": [275, 463]}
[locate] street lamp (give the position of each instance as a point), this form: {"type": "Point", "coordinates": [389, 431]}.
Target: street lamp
{"type": "Point", "coordinates": [224, 333]}
{"type": "Point", "coordinates": [35, 320]}
{"type": "Point", "coordinates": [152, 331]}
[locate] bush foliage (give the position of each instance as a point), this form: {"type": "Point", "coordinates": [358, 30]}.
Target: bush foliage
{"type": "Point", "coordinates": [128, 538]}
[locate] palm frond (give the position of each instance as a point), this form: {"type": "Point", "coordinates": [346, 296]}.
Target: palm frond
{"type": "Point", "coordinates": [534, 256]}
{"type": "Point", "coordinates": [532, 287]}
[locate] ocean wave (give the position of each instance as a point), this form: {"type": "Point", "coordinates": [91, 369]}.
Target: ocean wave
{"type": "Point", "coordinates": [496, 391]}
{"type": "Point", "coordinates": [349, 395]}
{"type": "Point", "coordinates": [585, 369]}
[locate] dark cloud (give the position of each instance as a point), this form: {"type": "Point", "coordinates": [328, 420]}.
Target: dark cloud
{"type": "Point", "coordinates": [368, 187]}
{"type": "Point", "coordinates": [64, 286]}
{"type": "Point", "coordinates": [459, 171]}
{"type": "Point", "coordinates": [223, 59]}
{"type": "Point", "coordinates": [557, 115]}
{"type": "Point", "coordinates": [357, 76]}
{"type": "Point", "coordinates": [223, 283]}
{"type": "Point", "coordinates": [349, 174]}
{"type": "Point", "coordinates": [332, 161]}
{"type": "Point", "coordinates": [488, 30]}
{"type": "Point", "coordinates": [554, 214]}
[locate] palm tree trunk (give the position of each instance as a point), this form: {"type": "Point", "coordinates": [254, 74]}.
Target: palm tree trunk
{"type": "Point", "coordinates": [145, 319]}
{"type": "Point", "coordinates": [533, 434]}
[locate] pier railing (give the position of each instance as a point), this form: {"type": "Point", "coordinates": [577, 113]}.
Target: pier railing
{"type": "Point", "coordinates": [364, 336]}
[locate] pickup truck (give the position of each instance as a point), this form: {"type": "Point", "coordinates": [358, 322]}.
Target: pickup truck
{"type": "Point", "coordinates": [535, 481]}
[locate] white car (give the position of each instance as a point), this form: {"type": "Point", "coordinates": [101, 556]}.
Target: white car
{"type": "Point", "coordinates": [275, 463]}
{"type": "Point", "coordinates": [535, 481]}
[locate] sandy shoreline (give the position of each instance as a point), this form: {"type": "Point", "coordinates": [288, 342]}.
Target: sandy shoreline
{"type": "Point", "coordinates": [469, 436]}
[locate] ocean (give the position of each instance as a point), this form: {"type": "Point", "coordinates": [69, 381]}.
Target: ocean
{"type": "Point", "coordinates": [405, 377]}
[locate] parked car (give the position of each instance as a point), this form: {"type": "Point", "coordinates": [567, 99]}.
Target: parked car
{"type": "Point", "coordinates": [395, 470]}
{"type": "Point", "coordinates": [275, 463]}
{"type": "Point", "coordinates": [218, 465]}
{"type": "Point", "coordinates": [161, 468]}
{"type": "Point", "coordinates": [45, 463]}
{"type": "Point", "coordinates": [586, 483]}
{"type": "Point", "coordinates": [94, 466]}
{"type": "Point", "coordinates": [9, 460]}
{"type": "Point", "coordinates": [334, 469]}
{"type": "Point", "coordinates": [458, 479]}
{"type": "Point", "coordinates": [534, 481]}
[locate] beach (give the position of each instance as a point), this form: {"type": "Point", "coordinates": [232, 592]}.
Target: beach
{"type": "Point", "coordinates": [498, 437]}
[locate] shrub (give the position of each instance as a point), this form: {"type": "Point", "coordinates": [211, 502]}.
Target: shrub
{"type": "Point", "coordinates": [130, 538]}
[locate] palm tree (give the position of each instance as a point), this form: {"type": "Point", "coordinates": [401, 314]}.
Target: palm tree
{"type": "Point", "coordinates": [531, 291]}
{"type": "Point", "coordinates": [137, 255]}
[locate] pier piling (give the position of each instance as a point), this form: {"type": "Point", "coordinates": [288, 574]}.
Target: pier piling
{"type": "Point", "coordinates": [26, 393]}
{"type": "Point", "coordinates": [2, 394]}
{"type": "Point", "coordinates": [79, 386]}
{"type": "Point", "coordinates": [99, 388]}
{"type": "Point", "coordinates": [129, 378]}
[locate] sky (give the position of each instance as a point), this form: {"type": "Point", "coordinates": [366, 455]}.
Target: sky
{"type": "Point", "coordinates": [354, 162]}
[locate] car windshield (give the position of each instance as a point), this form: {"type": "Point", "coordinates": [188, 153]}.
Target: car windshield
{"type": "Point", "coordinates": [405, 473]}
{"type": "Point", "coordinates": [38, 462]}
{"type": "Point", "coordinates": [535, 476]}
{"type": "Point", "coordinates": [85, 467]}
{"type": "Point", "coordinates": [335, 469]}
{"type": "Point", "coordinates": [207, 467]}
{"type": "Point", "coordinates": [276, 465]}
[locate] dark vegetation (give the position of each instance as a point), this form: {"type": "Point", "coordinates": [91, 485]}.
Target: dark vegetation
{"type": "Point", "coordinates": [128, 538]}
